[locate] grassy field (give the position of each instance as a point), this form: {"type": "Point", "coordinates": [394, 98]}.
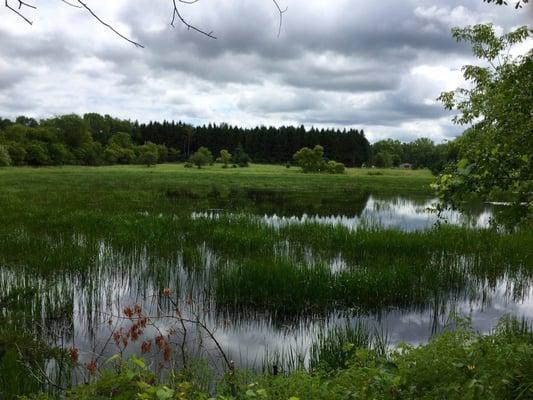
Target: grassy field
{"type": "Point", "coordinates": [256, 176]}
{"type": "Point", "coordinates": [131, 187]}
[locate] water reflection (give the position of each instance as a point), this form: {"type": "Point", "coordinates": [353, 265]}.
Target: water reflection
{"type": "Point", "coordinates": [119, 279]}
{"type": "Point", "coordinates": [398, 213]}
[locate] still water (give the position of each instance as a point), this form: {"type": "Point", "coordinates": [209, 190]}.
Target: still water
{"type": "Point", "coordinates": [396, 213]}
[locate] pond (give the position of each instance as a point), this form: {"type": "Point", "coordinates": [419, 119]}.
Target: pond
{"type": "Point", "coordinates": [395, 292]}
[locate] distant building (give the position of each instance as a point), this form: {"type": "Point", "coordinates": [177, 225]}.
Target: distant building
{"type": "Point", "coordinates": [405, 166]}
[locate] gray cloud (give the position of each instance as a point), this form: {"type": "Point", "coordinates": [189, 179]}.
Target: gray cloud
{"type": "Point", "coordinates": [377, 65]}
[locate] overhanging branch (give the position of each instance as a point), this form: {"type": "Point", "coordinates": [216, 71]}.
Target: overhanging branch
{"type": "Point", "coordinates": [17, 10]}
{"type": "Point", "coordinates": [176, 15]}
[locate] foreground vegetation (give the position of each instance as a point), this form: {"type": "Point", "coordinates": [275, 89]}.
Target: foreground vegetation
{"type": "Point", "coordinates": [453, 365]}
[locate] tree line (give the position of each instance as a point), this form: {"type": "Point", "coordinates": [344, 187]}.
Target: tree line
{"type": "Point", "coordinates": [272, 145]}
{"type": "Point", "coordinates": [421, 153]}
{"type": "Point", "coordinates": [95, 139]}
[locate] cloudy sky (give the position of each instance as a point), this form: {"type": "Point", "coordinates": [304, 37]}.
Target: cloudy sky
{"type": "Point", "coordinates": [376, 65]}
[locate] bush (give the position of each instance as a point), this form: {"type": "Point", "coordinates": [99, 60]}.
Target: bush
{"type": "Point", "coordinates": [225, 158]}
{"type": "Point", "coordinates": [147, 158]}
{"type": "Point", "coordinates": [17, 152]}
{"type": "Point", "coordinates": [90, 153]}
{"type": "Point", "coordinates": [173, 155]}
{"type": "Point", "coordinates": [5, 159]}
{"type": "Point", "coordinates": [310, 160]}
{"type": "Point", "coordinates": [202, 157]}
{"type": "Point", "coordinates": [334, 167]}
{"type": "Point", "coordinates": [188, 165]}
{"type": "Point", "coordinates": [37, 154]}
{"type": "Point", "coordinates": [149, 154]}
{"type": "Point", "coordinates": [60, 154]}
{"type": "Point", "coordinates": [383, 160]}
{"type": "Point", "coordinates": [313, 161]}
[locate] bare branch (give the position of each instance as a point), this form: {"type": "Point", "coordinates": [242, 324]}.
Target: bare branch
{"type": "Point", "coordinates": [176, 13]}
{"type": "Point", "coordinates": [136, 44]}
{"type": "Point", "coordinates": [281, 12]}
{"type": "Point", "coordinates": [20, 4]}
{"type": "Point", "coordinates": [71, 4]}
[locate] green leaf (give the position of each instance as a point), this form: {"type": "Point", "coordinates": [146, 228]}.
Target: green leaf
{"type": "Point", "coordinates": [113, 358]}
{"type": "Point", "coordinates": [139, 362]}
{"type": "Point", "coordinates": [164, 393]}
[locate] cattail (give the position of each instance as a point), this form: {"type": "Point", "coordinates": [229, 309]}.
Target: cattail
{"type": "Point", "coordinates": [137, 309]}
{"type": "Point", "coordinates": [74, 354]}
{"type": "Point", "coordinates": [167, 352]}
{"type": "Point", "coordinates": [128, 312]}
{"type": "Point", "coordinates": [160, 341]}
{"type": "Point", "coordinates": [117, 336]}
{"type": "Point", "coordinates": [146, 346]}
{"type": "Point", "coordinates": [91, 367]}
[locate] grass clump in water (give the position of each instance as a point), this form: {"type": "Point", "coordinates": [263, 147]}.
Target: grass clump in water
{"type": "Point", "coordinates": [272, 284]}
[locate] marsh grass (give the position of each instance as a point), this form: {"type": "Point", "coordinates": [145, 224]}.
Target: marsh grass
{"type": "Point", "coordinates": [286, 269]}
{"type": "Point", "coordinates": [333, 348]}
{"type": "Point", "coordinates": [74, 235]}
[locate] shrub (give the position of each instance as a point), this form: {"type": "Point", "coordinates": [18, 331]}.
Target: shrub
{"type": "Point", "coordinates": [225, 158]}
{"type": "Point", "coordinates": [310, 160]}
{"type": "Point", "coordinates": [37, 154]}
{"type": "Point", "coordinates": [5, 159]}
{"type": "Point", "coordinates": [173, 155]}
{"type": "Point", "coordinates": [17, 152]}
{"type": "Point", "coordinates": [60, 154]}
{"type": "Point", "coordinates": [148, 154]}
{"type": "Point", "coordinates": [334, 167]}
{"type": "Point", "coordinates": [202, 157]}
{"type": "Point", "coordinates": [147, 158]}
{"type": "Point", "coordinates": [241, 158]}
{"type": "Point", "coordinates": [454, 365]}
{"type": "Point", "coordinates": [313, 161]}
{"type": "Point", "coordinates": [383, 160]}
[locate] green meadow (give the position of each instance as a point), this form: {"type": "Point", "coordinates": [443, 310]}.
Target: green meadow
{"type": "Point", "coordinates": [134, 188]}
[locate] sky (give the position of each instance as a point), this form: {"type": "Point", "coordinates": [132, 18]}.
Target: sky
{"type": "Point", "coordinates": [364, 64]}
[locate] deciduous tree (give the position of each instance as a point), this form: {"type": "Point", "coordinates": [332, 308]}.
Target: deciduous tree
{"type": "Point", "coordinates": [496, 151]}
{"type": "Point", "coordinates": [202, 157]}
{"type": "Point", "coordinates": [225, 157]}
